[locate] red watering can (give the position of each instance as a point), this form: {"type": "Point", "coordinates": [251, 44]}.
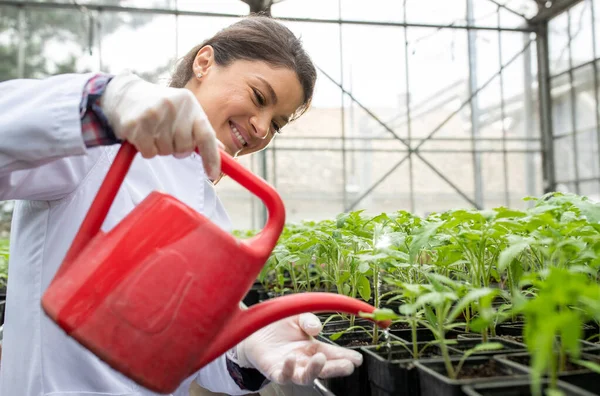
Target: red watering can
{"type": "Point", "coordinates": [157, 297]}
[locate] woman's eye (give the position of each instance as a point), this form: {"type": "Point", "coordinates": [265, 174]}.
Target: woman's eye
{"type": "Point", "coordinates": [275, 127]}
{"type": "Point", "coordinates": [259, 98]}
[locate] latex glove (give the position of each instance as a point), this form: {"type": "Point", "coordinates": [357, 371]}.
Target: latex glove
{"type": "Point", "coordinates": [286, 352]}
{"type": "Point", "coordinates": [160, 120]}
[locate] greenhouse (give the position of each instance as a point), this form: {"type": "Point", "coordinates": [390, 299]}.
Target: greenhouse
{"type": "Point", "coordinates": [422, 177]}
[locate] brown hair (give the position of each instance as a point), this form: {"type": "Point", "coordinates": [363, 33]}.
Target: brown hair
{"type": "Point", "coordinates": [260, 38]}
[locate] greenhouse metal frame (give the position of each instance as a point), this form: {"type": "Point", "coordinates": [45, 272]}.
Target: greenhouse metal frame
{"type": "Point", "coordinates": [536, 34]}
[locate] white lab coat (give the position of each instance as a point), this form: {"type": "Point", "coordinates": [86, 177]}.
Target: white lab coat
{"type": "Point", "coordinates": [45, 166]}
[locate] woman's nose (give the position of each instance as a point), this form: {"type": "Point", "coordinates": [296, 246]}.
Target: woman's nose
{"type": "Point", "coordinates": [260, 126]}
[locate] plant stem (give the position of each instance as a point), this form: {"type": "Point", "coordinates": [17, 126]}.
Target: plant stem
{"type": "Point", "coordinates": [413, 326]}
{"type": "Point", "coordinates": [442, 339]}
{"type": "Point", "coordinates": [375, 300]}
{"type": "Point", "coordinates": [294, 281]}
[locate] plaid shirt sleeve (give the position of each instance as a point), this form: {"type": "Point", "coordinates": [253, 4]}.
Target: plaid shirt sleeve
{"type": "Point", "coordinates": [246, 378]}
{"type": "Point", "coordinates": [95, 128]}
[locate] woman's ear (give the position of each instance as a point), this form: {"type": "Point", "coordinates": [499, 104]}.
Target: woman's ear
{"type": "Point", "coordinates": [205, 58]}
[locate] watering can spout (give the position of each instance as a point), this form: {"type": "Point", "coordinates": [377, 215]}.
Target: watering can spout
{"type": "Point", "coordinates": [243, 323]}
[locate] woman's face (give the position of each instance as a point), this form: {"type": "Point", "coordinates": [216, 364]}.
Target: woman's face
{"type": "Point", "coordinates": [246, 102]}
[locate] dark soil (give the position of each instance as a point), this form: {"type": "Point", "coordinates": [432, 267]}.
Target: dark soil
{"type": "Point", "coordinates": [399, 326]}
{"type": "Point", "coordinates": [402, 354]}
{"type": "Point", "coordinates": [484, 370]}
{"type": "Point", "coordinates": [355, 343]}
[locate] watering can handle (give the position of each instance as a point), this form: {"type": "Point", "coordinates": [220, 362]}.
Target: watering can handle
{"type": "Point", "coordinates": [265, 240]}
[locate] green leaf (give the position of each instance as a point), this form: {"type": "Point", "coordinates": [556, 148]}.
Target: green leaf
{"type": "Point", "coordinates": [487, 346]}
{"type": "Point", "coordinates": [595, 367]}
{"type": "Point", "coordinates": [421, 240]}
{"type": "Point", "coordinates": [346, 289]}
{"type": "Point", "coordinates": [363, 267]}
{"type": "Point", "coordinates": [509, 254]}
{"type": "Point", "coordinates": [337, 335]}
{"type": "Point", "coordinates": [470, 297]}
{"type": "Point", "coordinates": [364, 287]}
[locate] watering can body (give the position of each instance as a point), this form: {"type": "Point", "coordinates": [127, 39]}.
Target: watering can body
{"type": "Point", "coordinates": [153, 296]}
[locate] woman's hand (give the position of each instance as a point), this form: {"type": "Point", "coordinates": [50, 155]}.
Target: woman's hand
{"type": "Point", "coordinates": [160, 120]}
{"type": "Point", "coordinates": [286, 352]}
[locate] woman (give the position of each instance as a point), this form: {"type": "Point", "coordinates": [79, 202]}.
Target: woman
{"type": "Point", "coordinates": [56, 144]}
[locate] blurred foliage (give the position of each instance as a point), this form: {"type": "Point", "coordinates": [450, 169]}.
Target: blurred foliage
{"type": "Point", "coordinates": [3, 262]}
{"type": "Point", "coordinates": [74, 29]}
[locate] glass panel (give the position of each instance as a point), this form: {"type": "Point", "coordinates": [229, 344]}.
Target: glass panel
{"type": "Point", "coordinates": [439, 75]}
{"type": "Point", "coordinates": [317, 9]}
{"type": "Point", "coordinates": [235, 7]}
{"type": "Point", "coordinates": [437, 11]}
{"type": "Point", "coordinates": [562, 117]}
{"type": "Point", "coordinates": [524, 177]}
{"type": "Point", "coordinates": [581, 33]}
{"type": "Point", "coordinates": [376, 10]}
{"type": "Point", "coordinates": [9, 40]}
{"type": "Point", "coordinates": [563, 159]}
{"type": "Point", "coordinates": [391, 194]}
{"type": "Point", "coordinates": [194, 30]}
{"type": "Point", "coordinates": [432, 192]}
{"type": "Point", "coordinates": [322, 42]}
{"type": "Point", "coordinates": [585, 101]}
{"type": "Point", "coordinates": [558, 43]}
{"type": "Point", "coordinates": [486, 48]}
{"type": "Point", "coordinates": [596, 16]}
{"type": "Point", "coordinates": [591, 189]}
{"type": "Point", "coordinates": [379, 86]}
{"type": "Point", "coordinates": [308, 190]}
{"type": "Point", "coordinates": [142, 43]}
{"type": "Point", "coordinates": [587, 154]}
{"type": "Point", "coordinates": [493, 179]}
{"type": "Point", "coordinates": [485, 13]}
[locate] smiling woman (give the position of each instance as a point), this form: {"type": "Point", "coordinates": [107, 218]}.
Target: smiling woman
{"type": "Point", "coordinates": [251, 78]}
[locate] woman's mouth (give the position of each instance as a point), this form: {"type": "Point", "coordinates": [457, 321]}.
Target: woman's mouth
{"type": "Point", "coordinates": [238, 136]}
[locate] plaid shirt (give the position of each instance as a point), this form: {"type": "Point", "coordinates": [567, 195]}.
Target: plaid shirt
{"type": "Point", "coordinates": [94, 125]}
{"type": "Point", "coordinates": [97, 132]}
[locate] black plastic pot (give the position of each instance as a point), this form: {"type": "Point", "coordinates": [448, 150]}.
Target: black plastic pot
{"type": "Point", "coordinates": [339, 325]}
{"type": "Point", "coordinates": [391, 371]}
{"type": "Point", "coordinates": [462, 345]}
{"type": "Point", "coordinates": [516, 329]}
{"type": "Point", "coordinates": [477, 336]}
{"type": "Point", "coordinates": [583, 378]}
{"type": "Point", "coordinates": [423, 334]}
{"type": "Point", "coordinates": [518, 388]}
{"type": "Point", "coordinates": [433, 380]}
{"type": "Point", "coordinates": [357, 384]}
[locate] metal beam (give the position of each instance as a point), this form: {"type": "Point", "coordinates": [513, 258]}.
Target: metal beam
{"type": "Point", "coordinates": [573, 105]}
{"type": "Point", "coordinates": [474, 102]}
{"type": "Point", "coordinates": [503, 117]}
{"type": "Point", "coordinates": [428, 151]}
{"type": "Point", "coordinates": [411, 173]}
{"type": "Point", "coordinates": [596, 82]}
{"type": "Point", "coordinates": [168, 11]}
{"type": "Point", "coordinates": [545, 101]}
{"type": "Point", "coordinates": [557, 7]}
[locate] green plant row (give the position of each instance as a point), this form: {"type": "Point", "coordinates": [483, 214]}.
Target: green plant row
{"type": "Point", "coordinates": [460, 269]}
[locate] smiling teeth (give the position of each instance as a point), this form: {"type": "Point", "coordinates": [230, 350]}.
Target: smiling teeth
{"type": "Point", "coordinates": [238, 135]}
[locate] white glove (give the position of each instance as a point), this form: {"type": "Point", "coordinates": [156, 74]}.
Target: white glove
{"type": "Point", "coordinates": [160, 120]}
{"type": "Point", "coordinates": [286, 352]}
